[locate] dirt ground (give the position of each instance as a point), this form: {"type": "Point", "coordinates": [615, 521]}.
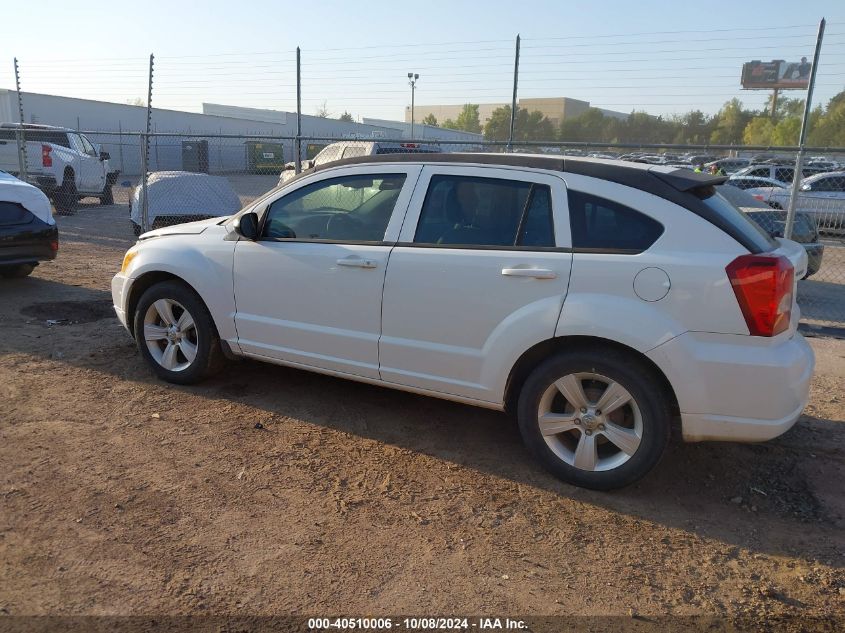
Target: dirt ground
{"type": "Point", "coordinates": [268, 490]}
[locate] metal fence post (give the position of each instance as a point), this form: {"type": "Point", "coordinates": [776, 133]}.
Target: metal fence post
{"type": "Point", "coordinates": [805, 120]}
{"type": "Point", "coordinates": [513, 99]}
{"type": "Point", "coordinates": [297, 144]}
{"type": "Point", "coordinates": [20, 136]}
{"type": "Point", "coordinates": [145, 152]}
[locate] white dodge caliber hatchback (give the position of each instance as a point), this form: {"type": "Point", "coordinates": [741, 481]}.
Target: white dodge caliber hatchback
{"type": "Point", "coordinates": [598, 301]}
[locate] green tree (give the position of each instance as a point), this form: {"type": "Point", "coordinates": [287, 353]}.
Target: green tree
{"type": "Point", "coordinates": [429, 119]}
{"type": "Point", "coordinates": [468, 119]}
{"type": "Point", "coordinates": [829, 128]}
{"type": "Point", "coordinates": [450, 124]}
{"type": "Point", "coordinates": [731, 122]}
{"type": "Point", "coordinates": [528, 126]}
{"type": "Point", "coordinates": [346, 117]}
{"type": "Point", "coordinates": [758, 131]}
{"type": "Point", "coordinates": [786, 131]}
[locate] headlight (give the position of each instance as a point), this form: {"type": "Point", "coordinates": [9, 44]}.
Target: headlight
{"type": "Point", "coordinates": [130, 255]}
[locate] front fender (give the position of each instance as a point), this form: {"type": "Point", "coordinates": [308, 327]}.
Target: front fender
{"type": "Point", "coordinates": [203, 261]}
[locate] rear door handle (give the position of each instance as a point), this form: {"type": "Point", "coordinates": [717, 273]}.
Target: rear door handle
{"type": "Point", "coordinates": [535, 273]}
{"type": "Point", "coordinates": [357, 262]}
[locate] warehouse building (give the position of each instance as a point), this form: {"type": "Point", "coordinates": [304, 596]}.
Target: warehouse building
{"type": "Point", "coordinates": [556, 109]}
{"type": "Point", "coordinates": [227, 133]}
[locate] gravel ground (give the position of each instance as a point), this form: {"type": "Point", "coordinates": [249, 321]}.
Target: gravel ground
{"type": "Point", "coordinates": [268, 490]}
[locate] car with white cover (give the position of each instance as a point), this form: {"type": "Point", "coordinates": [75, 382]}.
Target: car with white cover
{"type": "Point", "coordinates": [602, 303]}
{"type": "Point", "coordinates": [28, 232]}
{"type": "Point", "coordinates": [176, 197]}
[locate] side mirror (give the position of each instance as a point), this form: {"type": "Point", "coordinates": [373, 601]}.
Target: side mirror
{"type": "Point", "coordinates": [247, 226]}
{"type": "Point", "coordinates": [104, 155]}
{"type": "Point", "coordinates": [807, 188]}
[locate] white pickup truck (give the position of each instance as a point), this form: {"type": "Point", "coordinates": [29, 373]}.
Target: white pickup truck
{"type": "Point", "coordinates": [64, 164]}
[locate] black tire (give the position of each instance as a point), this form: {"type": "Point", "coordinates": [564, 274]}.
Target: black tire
{"type": "Point", "coordinates": [641, 383]}
{"type": "Point", "coordinates": [209, 356]}
{"type": "Point", "coordinates": [776, 205]}
{"type": "Point", "coordinates": [136, 229]}
{"type": "Point", "coordinates": [107, 197]}
{"type": "Point", "coordinates": [66, 197]}
{"type": "Point", "coordinates": [16, 272]}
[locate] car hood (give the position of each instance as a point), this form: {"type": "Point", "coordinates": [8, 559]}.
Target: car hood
{"type": "Point", "coordinates": [188, 228]}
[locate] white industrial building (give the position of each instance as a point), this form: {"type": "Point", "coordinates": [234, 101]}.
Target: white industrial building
{"type": "Point", "coordinates": [116, 126]}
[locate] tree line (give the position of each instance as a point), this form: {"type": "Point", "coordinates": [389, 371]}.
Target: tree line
{"type": "Point", "coordinates": [733, 124]}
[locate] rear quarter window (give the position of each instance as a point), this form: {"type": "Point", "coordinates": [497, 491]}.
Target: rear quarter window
{"type": "Point", "coordinates": [738, 221]}
{"type": "Point", "coordinates": [601, 224]}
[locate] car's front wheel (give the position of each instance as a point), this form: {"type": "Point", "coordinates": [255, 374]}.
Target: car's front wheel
{"type": "Point", "coordinates": [596, 419]}
{"type": "Point", "coordinates": [175, 333]}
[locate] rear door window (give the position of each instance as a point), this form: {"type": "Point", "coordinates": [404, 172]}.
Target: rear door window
{"type": "Point", "coordinates": [489, 212]}
{"type": "Point", "coordinates": [601, 224]}
{"type": "Point", "coordinates": [784, 174]}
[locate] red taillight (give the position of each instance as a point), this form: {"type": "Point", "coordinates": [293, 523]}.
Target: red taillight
{"type": "Point", "coordinates": [758, 196]}
{"type": "Point", "coordinates": [46, 159]}
{"type": "Point", "coordinates": [409, 145]}
{"type": "Point", "coordinates": [763, 287]}
{"type": "Point", "coordinates": [54, 245]}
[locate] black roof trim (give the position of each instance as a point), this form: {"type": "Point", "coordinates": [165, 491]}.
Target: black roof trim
{"type": "Point", "coordinates": [634, 175]}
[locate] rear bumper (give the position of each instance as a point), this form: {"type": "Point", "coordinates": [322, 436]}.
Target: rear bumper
{"type": "Point", "coordinates": [28, 243]}
{"type": "Point", "coordinates": [737, 388]}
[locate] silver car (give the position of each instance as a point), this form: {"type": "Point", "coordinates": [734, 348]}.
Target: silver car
{"type": "Point", "coordinates": [821, 196]}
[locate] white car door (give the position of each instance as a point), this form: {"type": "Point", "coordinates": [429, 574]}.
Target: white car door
{"type": "Point", "coordinates": [90, 171]}
{"type": "Point", "coordinates": [309, 291]}
{"type": "Point", "coordinates": [479, 275]}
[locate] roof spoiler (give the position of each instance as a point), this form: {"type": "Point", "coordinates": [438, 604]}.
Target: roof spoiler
{"type": "Point", "coordinates": [687, 180]}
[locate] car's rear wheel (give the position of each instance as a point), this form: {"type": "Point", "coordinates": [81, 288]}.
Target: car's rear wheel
{"type": "Point", "coordinates": [596, 419]}
{"type": "Point", "coordinates": [176, 335]}
{"type": "Point", "coordinates": [66, 198]}
{"type": "Point", "coordinates": [107, 196]}
{"type": "Point", "coordinates": [16, 272]}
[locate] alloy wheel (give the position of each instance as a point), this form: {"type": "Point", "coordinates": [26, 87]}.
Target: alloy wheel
{"type": "Point", "coordinates": [170, 334]}
{"type": "Point", "coordinates": [590, 421]}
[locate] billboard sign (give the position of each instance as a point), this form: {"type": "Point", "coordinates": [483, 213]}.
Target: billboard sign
{"type": "Point", "coordinates": [778, 74]}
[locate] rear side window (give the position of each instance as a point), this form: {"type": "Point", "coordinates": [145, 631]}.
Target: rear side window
{"type": "Point", "coordinates": [12, 213]}
{"type": "Point", "coordinates": [471, 211]}
{"type": "Point", "coordinates": [601, 224]}
{"type": "Point", "coordinates": [784, 174]}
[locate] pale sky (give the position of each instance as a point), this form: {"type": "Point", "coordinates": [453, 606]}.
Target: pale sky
{"type": "Point", "coordinates": [659, 56]}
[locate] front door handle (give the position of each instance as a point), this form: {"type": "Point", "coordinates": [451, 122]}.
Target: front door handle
{"type": "Point", "coordinates": [534, 273]}
{"type": "Point", "coordinates": [357, 262]}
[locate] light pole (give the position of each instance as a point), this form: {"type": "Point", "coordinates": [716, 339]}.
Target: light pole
{"type": "Point", "coordinates": [412, 81]}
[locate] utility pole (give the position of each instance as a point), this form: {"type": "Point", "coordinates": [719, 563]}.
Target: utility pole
{"type": "Point", "coordinates": [412, 81]}
{"type": "Point", "coordinates": [145, 152]}
{"type": "Point", "coordinates": [513, 99]}
{"type": "Point", "coordinates": [297, 144]}
{"type": "Point", "coordinates": [805, 120]}
{"type": "Point", "coordinates": [21, 136]}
